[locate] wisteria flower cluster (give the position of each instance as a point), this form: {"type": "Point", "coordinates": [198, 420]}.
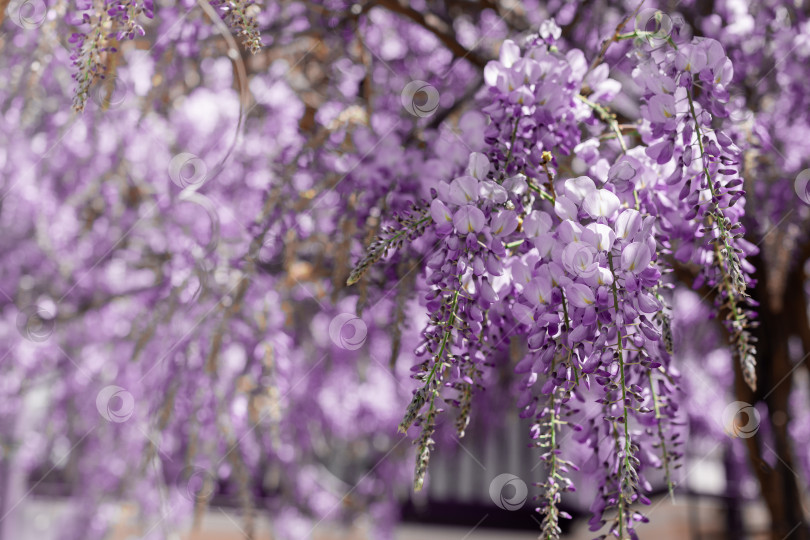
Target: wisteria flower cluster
{"type": "Point", "coordinates": [571, 264]}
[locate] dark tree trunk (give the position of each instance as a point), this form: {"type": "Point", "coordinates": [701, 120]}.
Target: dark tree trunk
{"type": "Point", "coordinates": [780, 318]}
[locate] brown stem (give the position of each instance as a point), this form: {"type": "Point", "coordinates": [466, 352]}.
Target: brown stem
{"type": "Point", "coordinates": [3, 6]}
{"type": "Point", "coordinates": [606, 44]}
{"type": "Point", "coordinates": [435, 25]}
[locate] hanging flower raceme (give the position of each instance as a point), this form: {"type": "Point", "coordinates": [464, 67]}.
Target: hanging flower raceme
{"type": "Point", "coordinates": [532, 103]}
{"type": "Point", "coordinates": [472, 215]}
{"type": "Point", "coordinates": [684, 91]}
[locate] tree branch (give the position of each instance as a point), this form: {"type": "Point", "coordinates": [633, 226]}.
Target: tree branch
{"type": "Point", "coordinates": [435, 25]}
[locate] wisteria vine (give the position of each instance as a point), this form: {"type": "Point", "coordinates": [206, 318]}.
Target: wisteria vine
{"type": "Point", "coordinates": [251, 249]}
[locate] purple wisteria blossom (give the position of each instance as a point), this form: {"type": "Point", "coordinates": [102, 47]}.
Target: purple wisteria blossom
{"type": "Point", "coordinates": [244, 242]}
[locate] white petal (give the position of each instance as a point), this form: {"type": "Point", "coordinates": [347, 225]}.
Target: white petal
{"type": "Point", "coordinates": [601, 203]}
